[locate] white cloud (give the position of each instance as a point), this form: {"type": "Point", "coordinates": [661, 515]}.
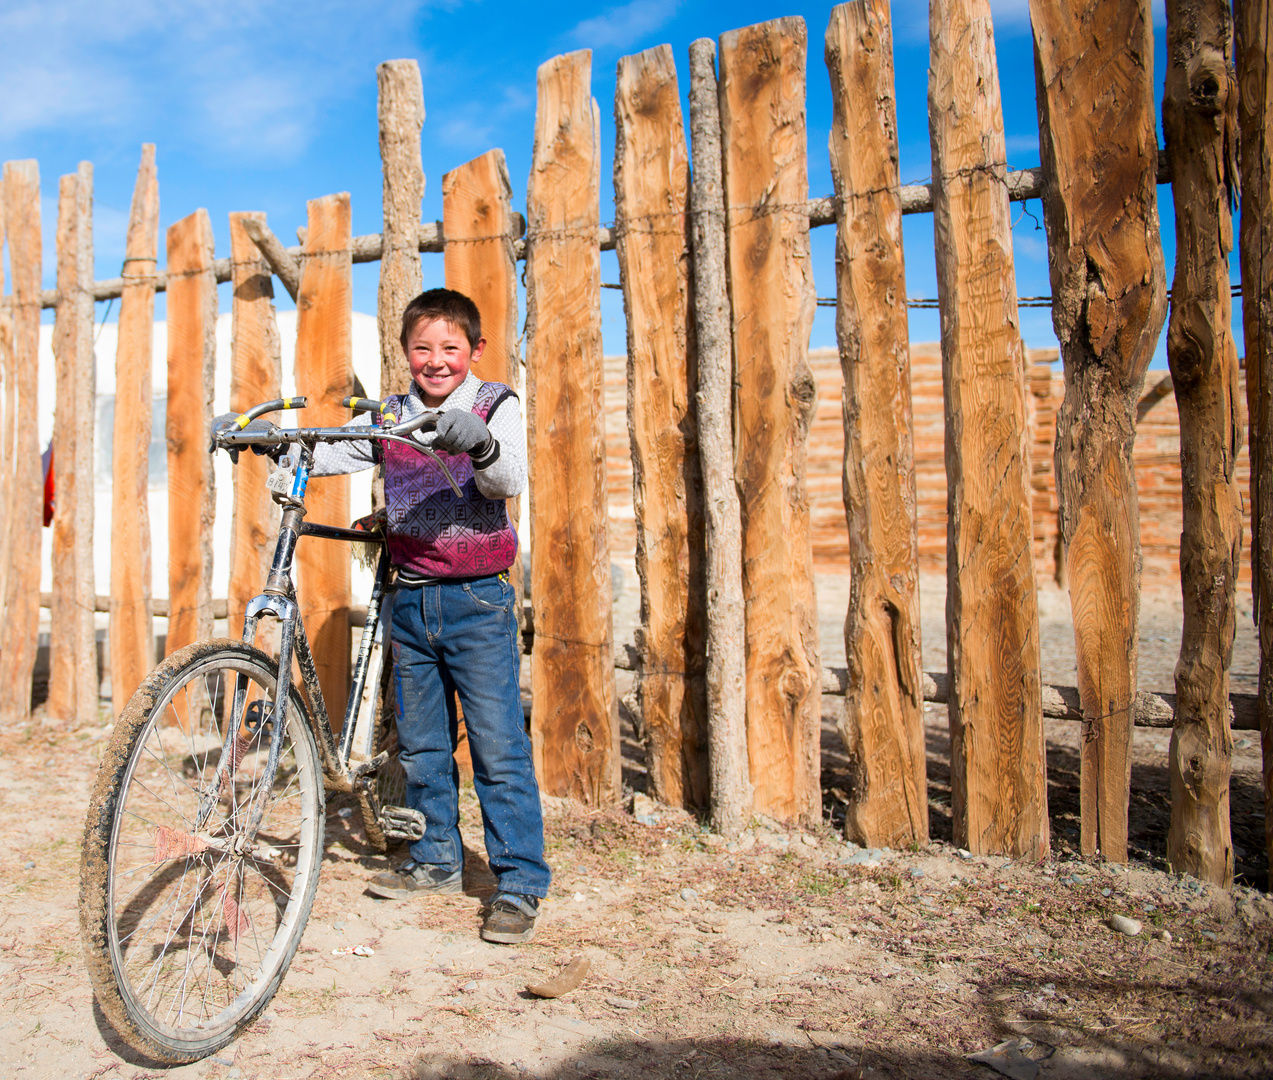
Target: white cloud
{"type": "Point", "coordinates": [624, 26]}
{"type": "Point", "coordinates": [231, 72]}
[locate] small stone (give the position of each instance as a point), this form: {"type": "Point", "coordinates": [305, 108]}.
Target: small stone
{"type": "Point", "coordinates": [964, 853]}
{"type": "Point", "coordinates": [1165, 935]}
{"type": "Point", "coordinates": [30, 865]}
{"type": "Point", "coordinates": [1124, 925]}
{"type": "Point", "coordinates": [234, 1074]}
{"type": "Point", "coordinates": [1107, 892]}
{"type": "Point", "coordinates": [809, 841]}
{"type": "Point", "coordinates": [689, 894]}
{"type": "Point", "coordinates": [917, 872]}
{"type": "Point", "coordinates": [469, 986]}
{"type": "Point", "coordinates": [1004, 887]}
{"type": "Point", "coordinates": [622, 1003]}
{"type": "Point", "coordinates": [338, 926]}
{"type": "Point", "coordinates": [1210, 935]}
{"type": "Point", "coordinates": [580, 898]}
{"type": "Point", "coordinates": [345, 811]}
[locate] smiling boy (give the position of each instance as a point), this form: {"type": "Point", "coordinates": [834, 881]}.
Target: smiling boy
{"type": "Point", "coordinates": [454, 621]}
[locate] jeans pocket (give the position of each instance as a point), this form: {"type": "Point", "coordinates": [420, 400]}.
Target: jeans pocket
{"type": "Point", "coordinates": [491, 594]}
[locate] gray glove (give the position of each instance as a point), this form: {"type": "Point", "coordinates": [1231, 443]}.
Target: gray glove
{"type": "Point", "coordinates": [462, 432]}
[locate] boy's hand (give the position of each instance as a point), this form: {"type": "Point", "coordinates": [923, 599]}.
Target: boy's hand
{"type": "Point", "coordinates": [463, 432]}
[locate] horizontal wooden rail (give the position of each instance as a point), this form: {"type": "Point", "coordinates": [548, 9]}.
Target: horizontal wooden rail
{"type": "Point", "coordinates": [1059, 702]}
{"type": "Point", "coordinates": [916, 199]}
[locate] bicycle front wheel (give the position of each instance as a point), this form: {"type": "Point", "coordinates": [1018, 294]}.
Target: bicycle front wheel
{"type": "Point", "coordinates": [197, 877]}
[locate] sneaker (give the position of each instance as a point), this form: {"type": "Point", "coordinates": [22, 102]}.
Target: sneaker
{"type": "Point", "coordinates": [510, 920]}
{"type": "Point", "coordinates": [415, 879]}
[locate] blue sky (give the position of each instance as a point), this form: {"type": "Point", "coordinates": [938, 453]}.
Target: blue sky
{"type": "Point", "coordinates": [254, 108]}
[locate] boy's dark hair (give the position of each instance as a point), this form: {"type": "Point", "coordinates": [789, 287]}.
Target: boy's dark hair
{"type": "Point", "coordinates": [447, 304]}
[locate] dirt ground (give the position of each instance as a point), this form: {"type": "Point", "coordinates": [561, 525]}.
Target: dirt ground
{"type": "Point", "coordinates": [787, 953]}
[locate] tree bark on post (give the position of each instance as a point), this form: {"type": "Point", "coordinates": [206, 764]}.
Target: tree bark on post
{"type": "Point", "coordinates": [731, 788]}
{"type": "Point", "coordinates": [192, 355]}
{"type": "Point", "coordinates": [1255, 243]}
{"type": "Point", "coordinates": [1200, 118]}
{"type": "Point", "coordinates": [651, 191]}
{"type": "Point", "coordinates": [401, 113]}
{"type": "Point", "coordinates": [1109, 298]}
{"type": "Point", "coordinates": [324, 374]}
{"type": "Point", "coordinates": [998, 782]}
{"type": "Point", "coordinates": [19, 630]}
{"type": "Point", "coordinates": [883, 719]}
{"type": "Point", "coordinates": [8, 419]}
{"type": "Point", "coordinates": [477, 227]}
{"type": "Point", "coordinates": [73, 691]}
{"type": "Point", "coordinates": [574, 717]}
{"type": "Point", "coordinates": [132, 631]}
{"type": "Point", "coordinates": [762, 101]}
{"type": "Point", "coordinates": [256, 375]}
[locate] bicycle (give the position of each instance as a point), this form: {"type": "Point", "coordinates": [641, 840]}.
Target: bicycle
{"type": "Point", "coordinates": [204, 835]}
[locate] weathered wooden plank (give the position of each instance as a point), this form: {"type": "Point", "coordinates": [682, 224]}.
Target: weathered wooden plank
{"type": "Point", "coordinates": [724, 671]}
{"type": "Point", "coordinates": [574, 718]}
{"type": "Point", "coordinates": [999, 790]}
{"type": "Point", "coordinates": [401, 113]}
{"type": "Point", "coordinates": [1109, 288]}
{"type": "Point", "coordinates": [651, 194]}
{"type": "Point", "coordinates": [19, 630]}
{"type": "Point", "coordinates": [1200, 120]}
{"type": "Point", "coordinates": [256, 375]}
{"type": "Point", "coordinates": [324, 374]}
{"type": "Point", "coordinates": [1254, 45]}
{"type": "Point", "coordinates": [477, 222]}
{"type": "Point", "coordinates": [132, 639]}
{"type": "Point", "coordinates": [883, 719]}
{"type": "Point", "coordinates": [8, 419]}
{"type": "Point", "coordinates": [72, 637]}
{"type": "Point", "coordinates": [192, 319]}
{"type": "Point", "coordinates": [762, 92]}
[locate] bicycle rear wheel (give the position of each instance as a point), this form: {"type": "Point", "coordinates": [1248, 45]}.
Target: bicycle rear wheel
{"type": "Point", "coordinates": [190, 916]}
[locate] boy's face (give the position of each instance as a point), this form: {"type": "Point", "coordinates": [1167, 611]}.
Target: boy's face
{"type": "Point", "coordinates": [439, 356]}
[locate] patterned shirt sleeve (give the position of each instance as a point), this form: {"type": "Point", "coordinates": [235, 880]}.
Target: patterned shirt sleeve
{"type": "Point", "coordinates": [337, 459]}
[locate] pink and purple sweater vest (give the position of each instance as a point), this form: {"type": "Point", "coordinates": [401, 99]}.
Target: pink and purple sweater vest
{"type": "Point", "coordinates": [434, 533]}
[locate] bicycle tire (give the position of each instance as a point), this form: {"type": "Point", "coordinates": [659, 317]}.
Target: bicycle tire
{"type": "Point", "coordinates": [188, 932]}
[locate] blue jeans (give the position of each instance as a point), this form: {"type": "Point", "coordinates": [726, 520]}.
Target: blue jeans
{"type": "Point", "coordinates": [460, 637]}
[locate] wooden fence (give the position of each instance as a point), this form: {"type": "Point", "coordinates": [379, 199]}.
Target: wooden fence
{"type": "Point", "coordinates": [721, 397]}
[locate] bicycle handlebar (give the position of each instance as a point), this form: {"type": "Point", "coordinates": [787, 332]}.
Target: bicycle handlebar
{"type": "Point", "coordinates": [268, 407]}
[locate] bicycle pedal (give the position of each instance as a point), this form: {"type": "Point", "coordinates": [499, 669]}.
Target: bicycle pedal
{"type": "Point", "coordinates": [364, 769]}
{"type": "Point", "coordinates": [401, 823]}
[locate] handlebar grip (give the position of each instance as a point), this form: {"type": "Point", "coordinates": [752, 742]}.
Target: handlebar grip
{"type": "Point", "coordinates": [269, 406]}
{"type": "Point", "coordinates": [362, 404]}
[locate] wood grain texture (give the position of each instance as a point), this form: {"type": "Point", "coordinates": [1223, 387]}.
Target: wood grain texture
{"type": "Point", "coordinates": [651, 191]}
{"type": "Point", "coordinates": [401, 114]}
{"type": "Point", "coordinates": [19, 630]}
{"type": "Point", "coordinates": [256, 375]}
{"type": "Point", "coordinates": [1109, 287]}
{"type": "Point", "coordinates": [725, 643]}
{"type": "Point", "coordinates": [999, 790]}
{"type": "Point", "coordinates": [883, 719]}
{"type": "Point", "coordinates": [72, 633]}
{"type": "Point", "coordinates": [762, 91]}
{"type": "Point", "coordinates": [478, 259]}
{"type": "Point", "coordinates": [192, 356]}
{"type": "Point", "coordinates": [1200, 119]}
{"type": "Point", "coordinates": [1254, 46]}
{"type": "Point", "coordinates": [324, 374]}
{"type": "Point", "coordinates": [574, 718]}
{"type": "Point", "coordinates": [132, 635]}
{"type": "Point", "coordinates": [8, 419]}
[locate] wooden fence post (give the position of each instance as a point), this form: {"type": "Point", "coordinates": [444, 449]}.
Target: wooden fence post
{"type": "Point", "coordinates": [574, 718]}
{"type": "Point", "coordinates": [478, 260]}
{"type": "Point", "coordinates": [762, 103]}
{"type": "Point", "coordinates": [1255, 112]}
{"type": "Point", "coordinates": [1200, 115]}
{"type": "Point", "coordinates": [883, 720]}
{"type": "Point", "coordinates": [725, 672]}
{"type": "Point", "coordinates": [651, 194]}
{"type": "Point", "coordinates": [73, 690]}
{"type": "Point", "coordinates": [132, 632]}
{"type": "Point", "coordinates": [998, 781]}
{"type": "Point", "coordinates": [401, 113]}
{"type": "Point", "coordinates": [8, 419]}
{"type": "Point", "coordinates": [19, 630]}
{"type": "Point", "coordinates": [192, 356]}
{"type": "Point", "coordinates": [1109, 299]}
{"type": "Point", "coordinates": [256, 375]}
{"type": "Point", "coordinates": [324, 374]}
